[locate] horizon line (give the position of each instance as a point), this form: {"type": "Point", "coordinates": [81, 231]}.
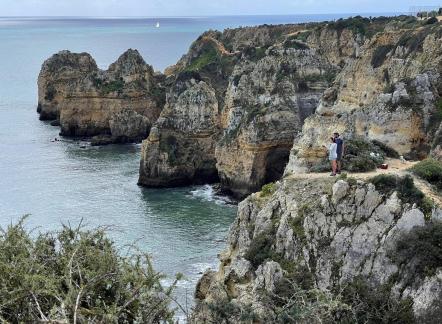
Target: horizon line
{"type": "Point", "coordinates": [222, 15]}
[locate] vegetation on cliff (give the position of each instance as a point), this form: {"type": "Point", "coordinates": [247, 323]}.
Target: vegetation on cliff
{"type": "Point", "coordinates": [430, 170]}
{"type": "Point", "coordinates": [76, 275]}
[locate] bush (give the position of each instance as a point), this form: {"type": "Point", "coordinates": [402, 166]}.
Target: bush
{"type": "Point", "coordinates": [113, 86]}
{"type": "Point", "coordinates": [260, 249]}
{"type": "Point", "coordinates": [380, 54]}
{"type": "Point", "coordinates": [387, 150]}
{"type": "Point", "coordinates": [431, 21]}
{"type": "Point", "coordinates": [268, 189]}
{"type": "Point", "coordinates": [430, 170]}
{"type": "Point", "coordinates": [405, 188]}
{"type": "Point", "coordinates": [76, 275]}
{"type": "Point", "coordinates": [421, 248]}
{"type": "Point", "coordinates": [375, 305]}
{"type": "Point", "coordinates": [361, 155]}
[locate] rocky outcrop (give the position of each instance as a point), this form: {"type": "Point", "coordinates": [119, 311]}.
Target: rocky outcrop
{"type": "Point", "coordinates": [326, 238]}
{"type": "Point", "coordinates": [181, 146]}
{"type": "Point", "coordinates": [389, 93]}
{"type": "Point", "coordinates": [267, 80]}
{"type": "Point", "coordinates": [121, 102]}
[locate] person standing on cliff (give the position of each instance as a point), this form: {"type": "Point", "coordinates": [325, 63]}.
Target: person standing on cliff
{"type": "Point", "coordinates": [339, 151]}
{"type": "Point", "coordinates": [333, 155]}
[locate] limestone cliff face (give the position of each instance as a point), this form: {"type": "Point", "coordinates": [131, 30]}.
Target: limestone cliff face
{"type": "Point", "coordinates": [266, 81]}
{"type": "Point", "coordinates": [121, 102]}
{"type": "Point", "coordinates": [58, 75]}
{"type": "Point", "coordinates": [180, 148]}
{"type": "Point", "coordinates": [266, 104]}
{"type": "Point", "coordinates": [323, 235]}
{"type": "Point", "coordinates": [390, 92]}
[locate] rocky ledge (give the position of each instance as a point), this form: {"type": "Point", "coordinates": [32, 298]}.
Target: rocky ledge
{"type": "Point", "coordinates": [317, 250]}
{"type": "Point", "coordinates": [116, 105]}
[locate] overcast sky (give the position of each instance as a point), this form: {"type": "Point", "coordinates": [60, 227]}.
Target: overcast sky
{"type": "Point", "coordinates": [149, 8]}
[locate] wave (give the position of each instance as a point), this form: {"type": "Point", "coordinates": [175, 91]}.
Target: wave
{"type": "Point", "coordinates": [208, 193]}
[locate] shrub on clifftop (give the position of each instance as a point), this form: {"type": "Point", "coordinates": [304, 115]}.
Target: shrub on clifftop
{"type": "Point", "coordinates": [74, 276]}
{"type": "Point", "coordinates": [430, 170]}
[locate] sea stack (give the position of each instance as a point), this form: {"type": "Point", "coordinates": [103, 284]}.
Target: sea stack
{"type": "Point", "coordinates": [116, 105]}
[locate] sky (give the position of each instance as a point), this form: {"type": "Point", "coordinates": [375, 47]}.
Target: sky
{"type": "Point", "coordinates": [155, 8]}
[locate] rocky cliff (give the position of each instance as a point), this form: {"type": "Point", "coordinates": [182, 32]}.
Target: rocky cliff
{"type": "Point", "coordinates": [320, 250]}
{"type": "Point", "coordinates": [121, 103]}
{"type": "Point", "coordinates": [282, 90]}
{"type": "Point", "coordinates": [266, 81]}
{"type": "Point", "coordinates": [390, 92]}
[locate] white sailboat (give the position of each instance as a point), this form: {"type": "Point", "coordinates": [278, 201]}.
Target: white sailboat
{"type": "Point", "coordinates": [157, 25]}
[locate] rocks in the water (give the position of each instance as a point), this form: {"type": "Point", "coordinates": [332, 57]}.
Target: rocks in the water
{"type": "Point", "coordinates": [181, 147]}
{"type": "Point", "coordinates": [123, 101]}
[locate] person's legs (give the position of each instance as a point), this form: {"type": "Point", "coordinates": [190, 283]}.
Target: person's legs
{"type": "Point", "coordinates": [333, 165]}
{"type": "Point", "coordinates": [338, 165]}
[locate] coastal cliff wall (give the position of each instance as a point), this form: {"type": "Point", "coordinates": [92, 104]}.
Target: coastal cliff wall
{"type": "Point", "coordinates": [322, 250]}
{"type": "Point", "coordinates": [390, 93]}
{"type": "Point", "coordinates": [266, 80]}
{"type": "Point", "coordinates": [243, 103]}
{"type": "Point", "coordinates": [121, 102]}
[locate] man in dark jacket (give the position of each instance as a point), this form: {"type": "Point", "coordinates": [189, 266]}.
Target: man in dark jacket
{"type": "Point", "coordinates": [340, 151]}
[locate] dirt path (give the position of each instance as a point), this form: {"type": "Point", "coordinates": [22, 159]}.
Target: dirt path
{"type": "Point", "coordinates": [395, 166]}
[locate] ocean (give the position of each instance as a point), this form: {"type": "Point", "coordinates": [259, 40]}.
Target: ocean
{"type": "Point", "coordinates": [70, 182]}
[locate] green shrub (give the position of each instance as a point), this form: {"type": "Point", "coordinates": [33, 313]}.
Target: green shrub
{"type": "Point", "coordinates": [380, 54]}
{"type": "Point", "coordinates": [405, 188]}
{"type": "Point", "coordinates": [268, 189]}
{"type": "Point", "coordinates": [430, 170]}
{"type": "Point", "coordinates": [387, 150]}
{"type": "Point", "coordinates": [421, 248]}
{"type": "Point", "coordinates": [260, 249]}
{"type": "Point", "coordinates": [358, 155]}
{"type": "Point", "coordinates": [303, 36]}
{"type": "Point", "coordinates": [113, 86]}
{"type": "Point", "coordinates": [375, 305]}
{"type": "Point", "coordinates": [431, 21]}
{"type": "Point", "coordinates": [293, 43]}
{"type": "Point", "coordinates": [208, 55]}
{"type": "Point", "coordinates": [76, 275]}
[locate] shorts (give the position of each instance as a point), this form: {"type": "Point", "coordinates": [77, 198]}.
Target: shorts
{"type": "Point", "coordinates": [339, 157]}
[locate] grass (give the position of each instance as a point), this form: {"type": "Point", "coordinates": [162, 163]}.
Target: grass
{"type": "Point", "coordinates": [429, 170]}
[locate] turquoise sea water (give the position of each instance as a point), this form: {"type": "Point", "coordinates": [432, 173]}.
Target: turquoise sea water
{"type": "Point", "coordinates": [68, 181]}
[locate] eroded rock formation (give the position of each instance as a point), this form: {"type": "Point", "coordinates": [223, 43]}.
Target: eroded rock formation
{"type": "Point", "coordinates": [324, 235]}
{"type": "Point", "coordinates": [390, 93]}
{"type": "Point", "coordinates": [267, 80]}
{"type": "Point", "coordinates": [121, 102]}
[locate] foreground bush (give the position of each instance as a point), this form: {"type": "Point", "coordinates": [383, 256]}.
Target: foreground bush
{"type": "Point", "coordinates": [430, 170]}
{"type": "Point", "coordinates": [75, 276]}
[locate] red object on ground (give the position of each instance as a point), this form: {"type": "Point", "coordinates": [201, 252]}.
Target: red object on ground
{"type": "Point", "coordinates": [384, 166]}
